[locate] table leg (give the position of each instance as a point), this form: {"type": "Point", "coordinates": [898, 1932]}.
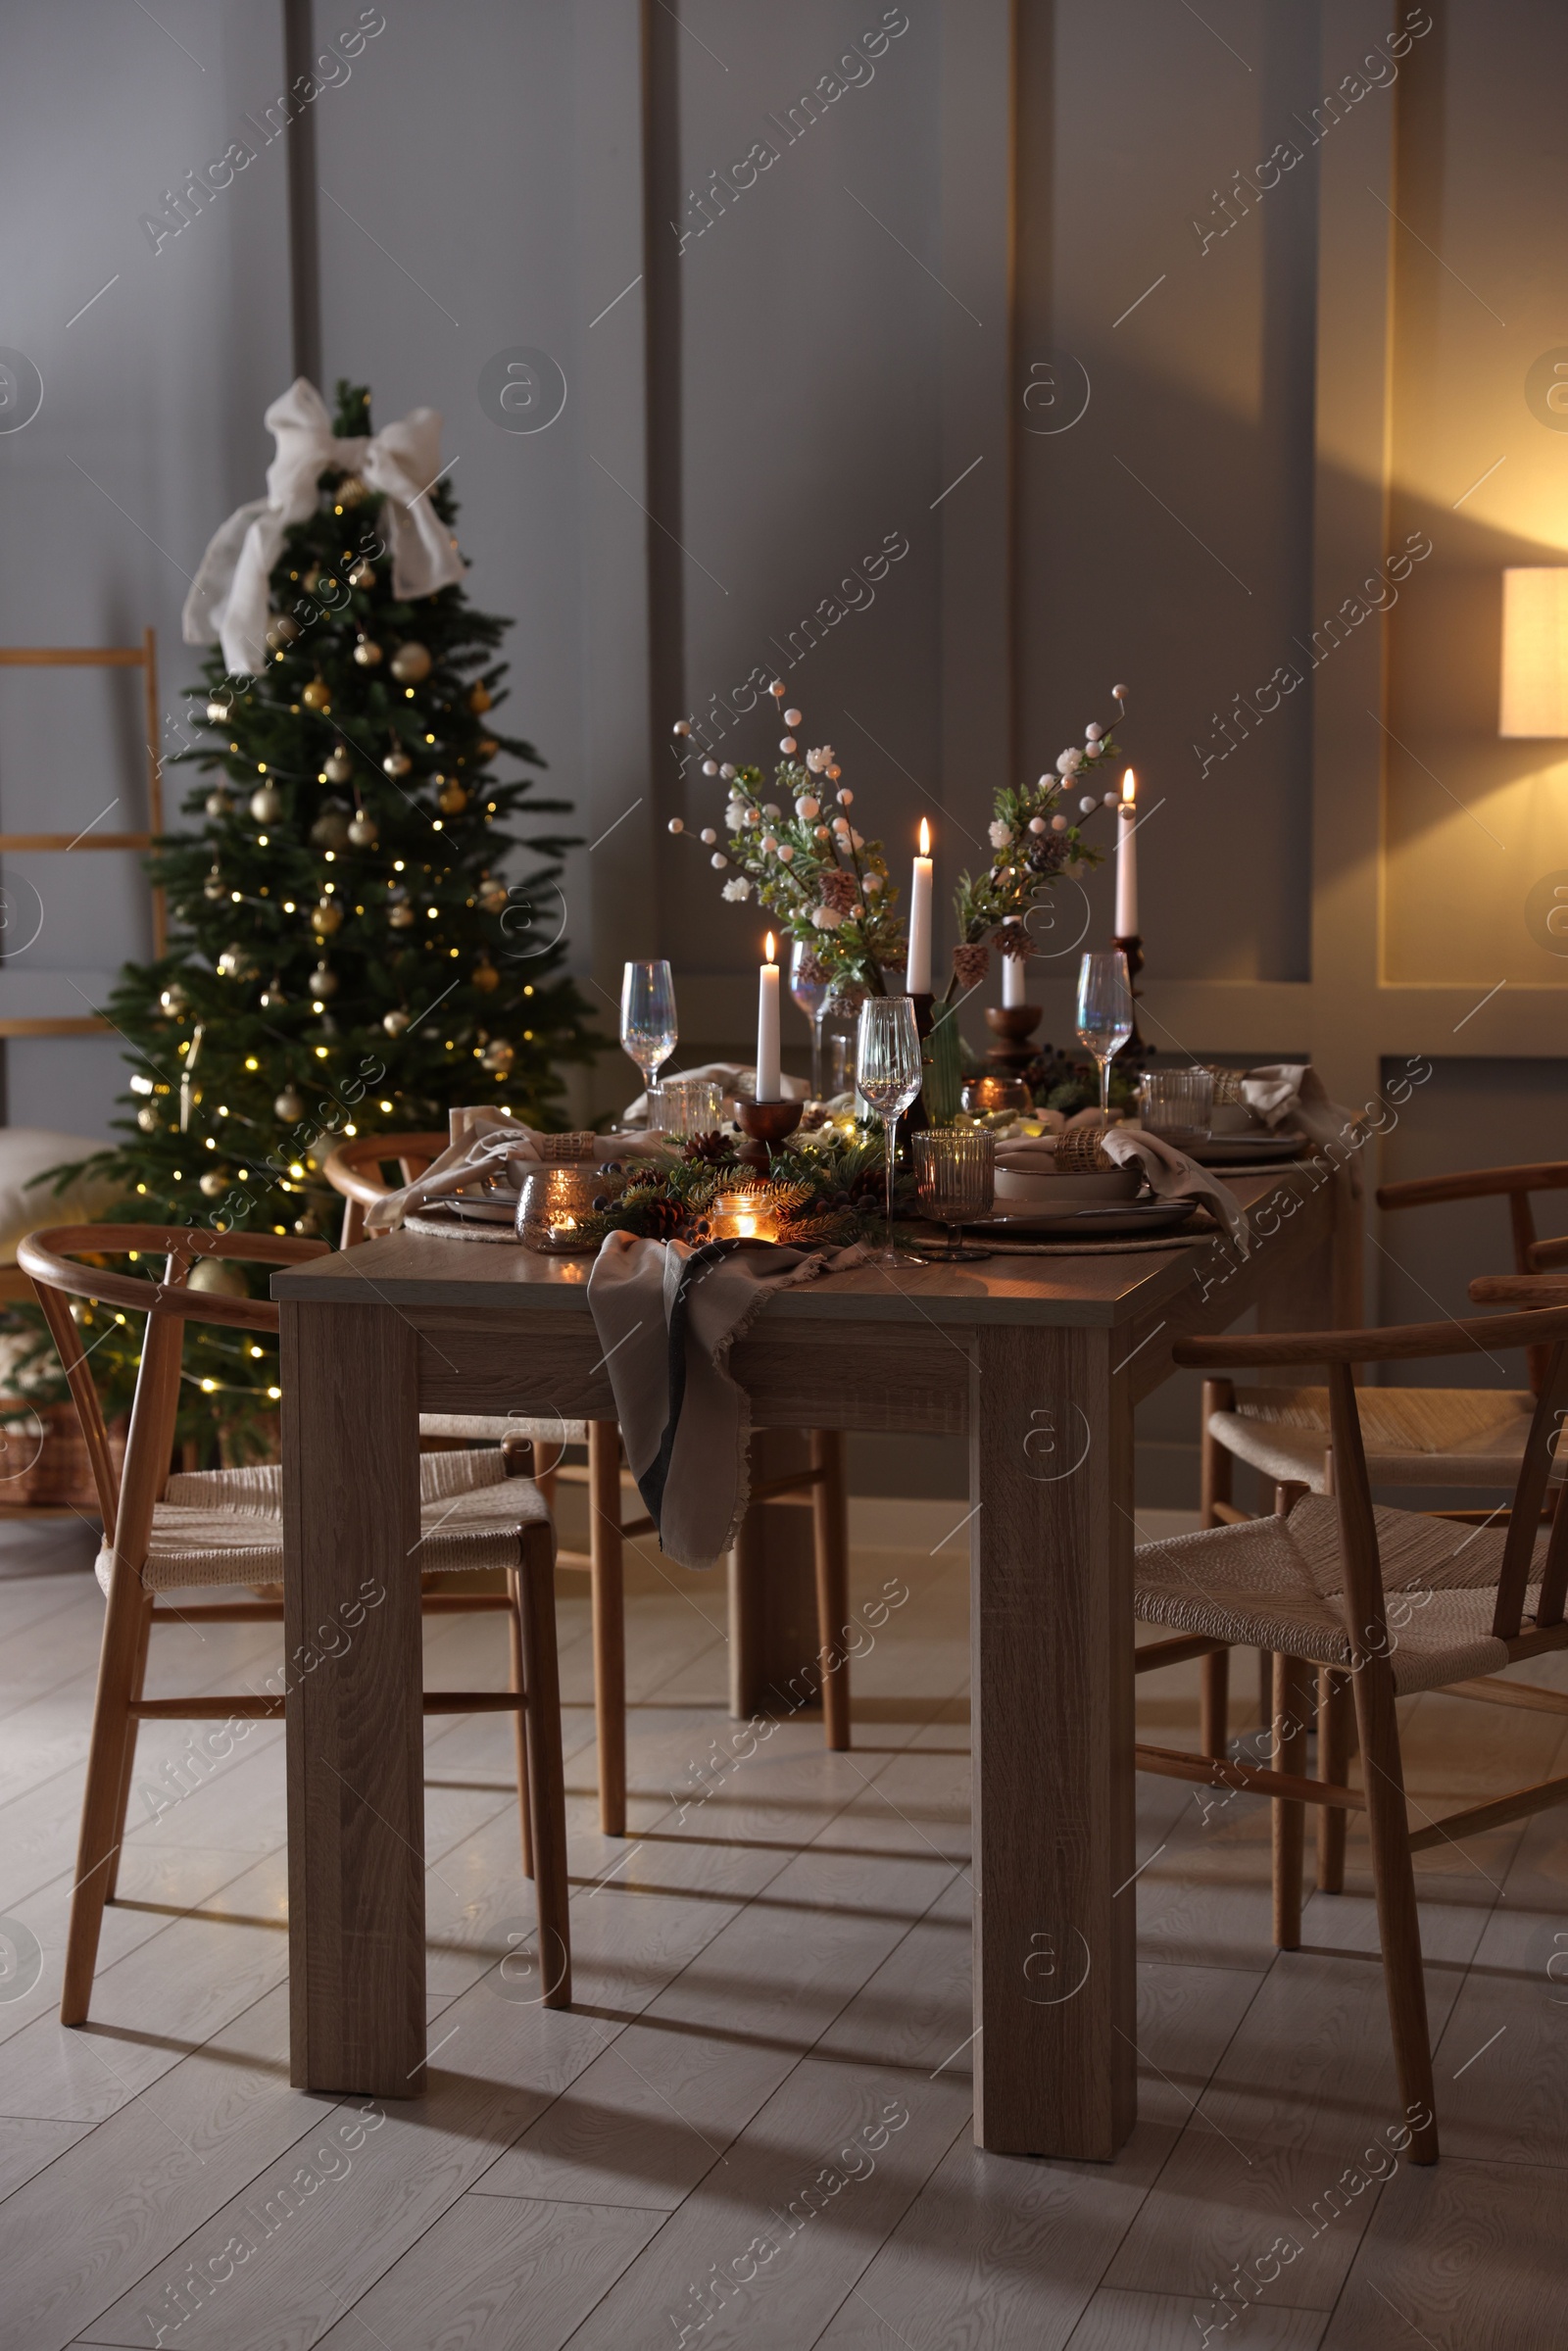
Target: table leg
{"type": "Point", "coordinates": [772, 1592]}
{"type": "Point", "coordinates": [355, 1721]}
{"type": "Point", "coordinates": [1051, 1629]}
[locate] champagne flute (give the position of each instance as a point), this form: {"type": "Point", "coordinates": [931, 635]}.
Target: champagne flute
{"type": "Point", "coordinates": [888, 1071]}
{"type": "Point", "coordinates": [1104, 1013]}
{"type": "Point", "coordinates": [647, 1028]}
{"type": "Point", "coordinates": [811, 993]}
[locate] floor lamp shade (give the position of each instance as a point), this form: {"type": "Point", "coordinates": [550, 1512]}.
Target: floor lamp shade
{"type": "Point", "coordinates": [1534, 653]}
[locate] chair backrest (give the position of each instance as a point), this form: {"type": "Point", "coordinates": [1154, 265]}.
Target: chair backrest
{"type": "Point", "coordinates": [49, 1257]}
{"type": "Point", "coordinates": [1545, 1327]}
{"type": "Point", "coordinates": [354, 1168]}
{"type": "Point", "coordinates": [1513, 1184]}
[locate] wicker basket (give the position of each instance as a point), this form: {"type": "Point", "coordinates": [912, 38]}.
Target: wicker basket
{"type": "Point", "coordinates": [45, 1465]}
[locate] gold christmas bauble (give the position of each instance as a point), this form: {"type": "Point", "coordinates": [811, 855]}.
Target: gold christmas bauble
{"type": "Point", "coordinates": [323, 981]}
{"type": "Point", "coordinates": [349, 491]}
{"type": "Point", "coordinates": [234, 963]}
{"type": "Point", "coordinates": [478, 697]}
{"type": "Point", "coordinates": [330, 829]}
{"type": "Point", "coordinates": [339, 764]}
{"type": "Point", "coordinates": [284, 631]}
{"type": "Point", "coordinates": [488, 747]}
{"type": "Point", "coordinates": [312, 580]}
{"type": "Point", "coordinates": [326, 917]}
{"type": "Point", "coordinates": [411, 663]}
{"type": "Point", "coordinates": [499, 1055]}
{"type": "Point", "coordinates": [400, 918]}
{"type": "Point", "coordinates": [289, 1106]}
{"type": "Point", "coordinates": [213, 887]}
{"type": "Point", "coordinates": [219, 711]}
{"type": "Point", "coordinates": [220, 1276]}
{"type": "Point", "coordinates": [396, 763]}
{"type": "Point", "coordinates": [486, 976]}
{"type": "Point", "coordinates": [452, 798]}
{"type": "Point", "coordinates": [363, 832]}
{"type": "Point", "coordinates": [493, 895]}
{"type": "Point", "coordinates": [308, 1225]}
{"type": "Point", "coordinates": [267, 804]}
{"type": "Point", "coordinates": [318, 695]}
{"type": "Point", "coordinates": [394, 1022]}
{"type": "Point", "coordinates": [219, 804]}
{"type": "Point", "coordinates": [272, 997]}
{"type": "Point", "coordinates": [173, 998]}
{"type": "Point", "coordinates": [361, 576]}
{"type": "Point", "coordinates": [147, 1119]}
{"type": "Point", "coordinates": [214, 1184]}
{"type": "Point", "coordinates": [368, 652]}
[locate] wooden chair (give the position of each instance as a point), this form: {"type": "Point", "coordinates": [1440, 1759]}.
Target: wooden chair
{"type": "Point", "coordinates": [1313, 1586]}
{"type": "Point", "coordinates": [354, 1168]}
{"type": "Point", "coordinates": [224, 1528]}
{"type": "Point", "coordinates": [1413, 1435]}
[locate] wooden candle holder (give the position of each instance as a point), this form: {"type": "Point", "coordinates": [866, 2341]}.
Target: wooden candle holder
{"type": "Point", "coordinates": [1012, 1027]}
{"type": "Point", "coordinates": [766, 1124]}
{"type": "Point", "coordinates": [1135, 1049]}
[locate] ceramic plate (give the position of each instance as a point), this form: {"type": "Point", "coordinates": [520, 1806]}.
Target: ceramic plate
{"type": "Point", "coordinates": [1109, 1221]}
{"type": "Point", "coordinates": [488, 1207]}
{"type": "Point", "coordinates": [1236, 1150]}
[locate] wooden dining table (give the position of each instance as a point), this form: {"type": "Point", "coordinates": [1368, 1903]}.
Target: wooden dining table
{"type": "Point", "coordinates": [1040, 1359]}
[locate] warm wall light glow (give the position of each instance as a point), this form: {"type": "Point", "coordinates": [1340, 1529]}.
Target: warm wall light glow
{"type": "Point", "coordinates": [769, 950]}
{"type": "Point", "coordinates": [1534, 653]}
{"type": "Point", "coordinates": [925, 838]}
{"type": "Point", "coordinates": [1129, 786]}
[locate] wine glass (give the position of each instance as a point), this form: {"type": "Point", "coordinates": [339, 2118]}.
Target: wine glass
{"type": "Point", "coordinates": [956, 1177]}
{"type": "Point", "coordinates": [811, 993]}
{"type": "Point", "coordinates": [887, 1071]}
{"type": "Point", "coordinates": [647, 1028]}
{"type": "Point", "coordinates": [1104, 1013]}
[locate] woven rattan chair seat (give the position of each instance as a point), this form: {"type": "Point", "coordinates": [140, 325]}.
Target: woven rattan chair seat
{"type": "Point", "coordinates": [1276, 1583]}
{"type": "Point", "coordinates": [490, 1428]}
{"type": "Point", "coordinates": [225, 1526]}
{"type": "Point", "coordinates": [1413, 1435]}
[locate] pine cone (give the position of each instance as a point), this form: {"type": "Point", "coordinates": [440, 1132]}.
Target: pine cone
{"type": "Point", "coordinates": [971, 963]}
{"type": "Point", "coordinates": [663, 1220]}
{"type": "Point", "coordinates": [838, 890]}
{"type": "Point", "coordinates": [1013, 940]}
{"type": "Point", "coordinates": [708, 1150]}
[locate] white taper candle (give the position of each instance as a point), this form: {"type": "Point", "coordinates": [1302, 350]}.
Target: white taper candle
{"type": "Point", "coordinates": [1127, 859]}
{"type": "Point", "coordinates": [918, 968]}
{"type": "Point", "coordinates": [770, 1084]}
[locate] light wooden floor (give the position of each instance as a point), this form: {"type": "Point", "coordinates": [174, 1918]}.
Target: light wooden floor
{"type": "Point", "coordinates": [772, 1990]}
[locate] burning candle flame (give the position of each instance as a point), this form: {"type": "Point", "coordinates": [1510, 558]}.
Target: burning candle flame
{"type": "Point", "coordinates": [1129, 786]}
{"type": "Point", "coordinates": [769, 951]}
{"type": "Point", "coordinates": [925, 838]}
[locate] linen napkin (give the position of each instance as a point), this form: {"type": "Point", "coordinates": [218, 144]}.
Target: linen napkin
{"type": "Point", "coordinates": [1174, 1176]}
{"type": "Point", "coordinates": [483, 1141]}
{"type": "Point", "coordinates": [1291, 1094]}
{"type": "Point", "coordinates": [1170, 1172]}
{"type": "Point", "coordinates": [666, 1317]}
{"type": "Point", "coordinates": [725, 1074]}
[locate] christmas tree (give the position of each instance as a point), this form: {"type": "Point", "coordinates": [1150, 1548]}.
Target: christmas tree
{"type": "Point", "coordinates": [344, 952]}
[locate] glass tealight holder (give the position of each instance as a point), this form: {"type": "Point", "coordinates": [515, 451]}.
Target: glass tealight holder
{"type": "Point", "coordinates": [745, 1214]}
{"type": "Point", "coordinates": [556, 1209]}
{"type": "Point", "coordinates": [1178, 1105]}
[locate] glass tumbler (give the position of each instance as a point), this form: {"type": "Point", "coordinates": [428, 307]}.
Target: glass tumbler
{"type": "Point", "coordinates": [1178, 1103]}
